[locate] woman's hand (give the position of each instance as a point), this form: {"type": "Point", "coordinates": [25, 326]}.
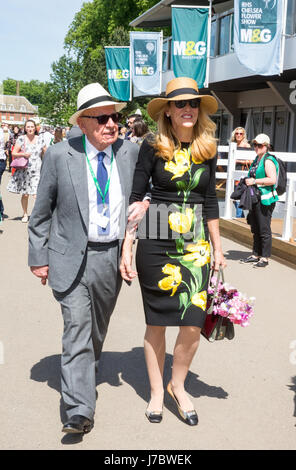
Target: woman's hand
{"type": "Point", "coordinates": [136, 212]}
{"type": "Point", "coordinates": [250, 181]}
{"type": "Point", "coordinates": [219, 260]}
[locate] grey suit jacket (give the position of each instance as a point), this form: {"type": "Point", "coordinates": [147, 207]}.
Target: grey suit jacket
{"type": "Point", "coordinates": [58, 227]}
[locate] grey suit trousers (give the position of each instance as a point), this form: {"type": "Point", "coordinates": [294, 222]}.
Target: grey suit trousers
{"type": "Point", "coordinates": [87, 307]}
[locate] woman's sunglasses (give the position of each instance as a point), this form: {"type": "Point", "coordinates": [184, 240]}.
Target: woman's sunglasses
{"type": "Point", "coordinates": [258, 145]}
{"type": "Point", "coordinates": [182, 103]}
{"type": "Point", "coordinates": [104, 118]}
{"type": "Point", "coordinates": [239, 133]}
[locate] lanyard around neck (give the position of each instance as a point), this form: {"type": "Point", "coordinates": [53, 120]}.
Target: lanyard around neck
{"type": "Point", "coordinates": [103, 196]}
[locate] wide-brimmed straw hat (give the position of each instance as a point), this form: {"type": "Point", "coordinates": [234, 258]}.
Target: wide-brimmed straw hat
{"type": "Point", "coordinates": [93, 96]}
{"type": "Point", "coordinates": [181, 88]}
{"type": "Point", "coordinates": [261, 139]}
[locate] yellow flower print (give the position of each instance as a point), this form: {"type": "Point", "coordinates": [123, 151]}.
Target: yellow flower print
{"type": "Point", "coordinates": [173, 280]}
{"type": "Point", "coordinates": [200, 299]}
{"type": "Point", "coordinates": [200, 253]}
{"type": "Point", "coordinates": [197, 162]}
{"type": "Point", "coordinates": [181, 164]}
{"type": "Point", "coordinates": [181, 223]}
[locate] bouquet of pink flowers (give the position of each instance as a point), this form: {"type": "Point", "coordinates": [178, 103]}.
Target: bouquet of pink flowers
{"type": "Point", "coordinates": [229, 302]}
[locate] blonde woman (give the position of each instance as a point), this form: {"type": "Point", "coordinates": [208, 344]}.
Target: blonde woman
{"type": "Point", "coordinates": [239, 136]}
{"type": "Point", "coordinates": [173, 255]}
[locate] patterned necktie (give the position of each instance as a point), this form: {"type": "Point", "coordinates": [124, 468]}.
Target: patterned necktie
{"type": "Point", "coordinates": [102, 177]}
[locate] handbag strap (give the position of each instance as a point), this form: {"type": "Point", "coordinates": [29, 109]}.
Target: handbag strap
{"type": "Point", "coordinates": [220, 274]}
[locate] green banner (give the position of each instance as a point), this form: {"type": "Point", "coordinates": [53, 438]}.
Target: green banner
{"type": "Point", "coordinates": [118, 71]}
{"type": "Point", "coordinates": [190, 39]}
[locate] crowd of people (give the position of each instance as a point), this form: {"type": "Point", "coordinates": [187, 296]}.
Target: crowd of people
{"type": "Point", "coordinates": [94, 191]}
{"type": "Point", "coordinates": [18, 141]}
{"type": "Point", "coordinates": [30, 142]}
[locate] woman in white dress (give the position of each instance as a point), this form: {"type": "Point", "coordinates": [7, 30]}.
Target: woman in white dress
{"type": "Point", "coordinates": [25, 182]}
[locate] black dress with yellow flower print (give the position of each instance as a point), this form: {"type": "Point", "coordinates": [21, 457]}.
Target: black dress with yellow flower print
{"type": "Point", "coordinates": [173, 252]}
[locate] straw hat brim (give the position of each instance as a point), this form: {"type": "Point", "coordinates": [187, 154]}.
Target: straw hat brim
{"type": "Point", "coordinates": [118, 108]}
{"type": "Point", "coordinates": [208, 104]}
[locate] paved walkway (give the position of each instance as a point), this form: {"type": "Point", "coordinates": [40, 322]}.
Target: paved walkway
{"type": "Point", "coordinates": [244, 390]}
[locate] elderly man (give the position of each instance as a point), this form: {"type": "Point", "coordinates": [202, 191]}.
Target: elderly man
{"type": "Point", "coordinates": [75, 234]}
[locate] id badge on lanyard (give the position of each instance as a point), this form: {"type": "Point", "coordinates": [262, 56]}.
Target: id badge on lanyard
{"type": "Point", "coordinates": [100, 219]}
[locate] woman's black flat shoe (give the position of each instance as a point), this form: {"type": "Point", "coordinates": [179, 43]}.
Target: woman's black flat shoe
{"type": "Point", "coordinates": [154, 416]}
{"type": "Point", "coordinates": [190, 417]}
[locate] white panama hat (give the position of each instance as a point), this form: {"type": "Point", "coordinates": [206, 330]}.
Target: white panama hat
{"type": "Point", "coordinates": [93, 96]}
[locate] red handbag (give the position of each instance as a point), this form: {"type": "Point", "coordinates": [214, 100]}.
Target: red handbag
{"type": "Point", "coordinates": [217, 327]}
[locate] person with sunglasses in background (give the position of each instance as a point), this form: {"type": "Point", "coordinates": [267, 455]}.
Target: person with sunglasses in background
{"type": "Point", "coordinates": [239, 136]}
{"type": "Point", "coordinates": [173, 256]}
{"type": "Point", "coordinates": [75, 235]}
{"type": "Point", "coordinates": [262, 174]}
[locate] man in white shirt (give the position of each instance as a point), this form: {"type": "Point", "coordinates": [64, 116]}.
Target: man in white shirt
{"type": "Point", "coordinates": [75, 235]}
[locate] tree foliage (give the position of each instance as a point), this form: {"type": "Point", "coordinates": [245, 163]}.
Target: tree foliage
{"type": "Point", "coordinates": [95, 22]}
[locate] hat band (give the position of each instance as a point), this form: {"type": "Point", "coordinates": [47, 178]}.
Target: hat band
{"type": "Point", "coordinates": [95, 101]}
{"type": "Point", "coordinates": [182, 91]}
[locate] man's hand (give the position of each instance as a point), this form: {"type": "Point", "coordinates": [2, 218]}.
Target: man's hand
{"type": "Point", "coordinates": [40, 271]}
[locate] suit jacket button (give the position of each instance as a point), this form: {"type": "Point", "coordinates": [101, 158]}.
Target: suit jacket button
{"type": "Point", "coordinates": [82, 252]}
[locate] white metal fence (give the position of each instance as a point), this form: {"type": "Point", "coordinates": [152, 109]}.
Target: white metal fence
{"type": "Point", "coordinates": [231, 175]}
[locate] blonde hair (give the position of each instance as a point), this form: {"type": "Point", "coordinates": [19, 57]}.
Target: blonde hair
{"type": "Point", "coordinates": [245, 139]}
{"type": "Point", "coordinates": [203, 145]}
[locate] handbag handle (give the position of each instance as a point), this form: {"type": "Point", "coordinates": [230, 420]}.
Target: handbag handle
{"type": "Point", "coordinates": [220, 273]}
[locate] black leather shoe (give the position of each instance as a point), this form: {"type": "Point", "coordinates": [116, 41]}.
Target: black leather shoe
{"type": "Point", "coordinates": [78, 424]}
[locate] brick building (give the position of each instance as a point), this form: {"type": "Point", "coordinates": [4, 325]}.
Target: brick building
{"type": "Point", "coordinates": [16, 110]}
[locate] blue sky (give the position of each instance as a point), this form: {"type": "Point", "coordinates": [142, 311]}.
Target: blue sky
{"type": "Point", "coordinates": [32, 36]}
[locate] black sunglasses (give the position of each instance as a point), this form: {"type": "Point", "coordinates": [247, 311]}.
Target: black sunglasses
{"type": "Point", "coordinates": [182, 103]}
{"type": "Point", "coordinates": [258, 145]}
{"type": "Point", "coordinates": [104, 118]}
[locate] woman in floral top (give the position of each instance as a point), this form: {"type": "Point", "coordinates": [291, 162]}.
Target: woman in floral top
{"type": "Point", "coordinates": [173, 253]}
{"type": "Point", "coordinates": [25, 181]}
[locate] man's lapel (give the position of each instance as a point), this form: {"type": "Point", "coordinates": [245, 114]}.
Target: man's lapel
{"type": "Point", "coordinates": [78, 172]}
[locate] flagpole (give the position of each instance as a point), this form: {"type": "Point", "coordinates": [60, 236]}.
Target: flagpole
{"type": "Point", "coordinates": [131, 71]}
{"type": "Point", "coordinates": [283, 34]}
{"type": "Point", "coordinates": [206, 85]}
{"type": "Point", "coordinates": [160, 61]}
